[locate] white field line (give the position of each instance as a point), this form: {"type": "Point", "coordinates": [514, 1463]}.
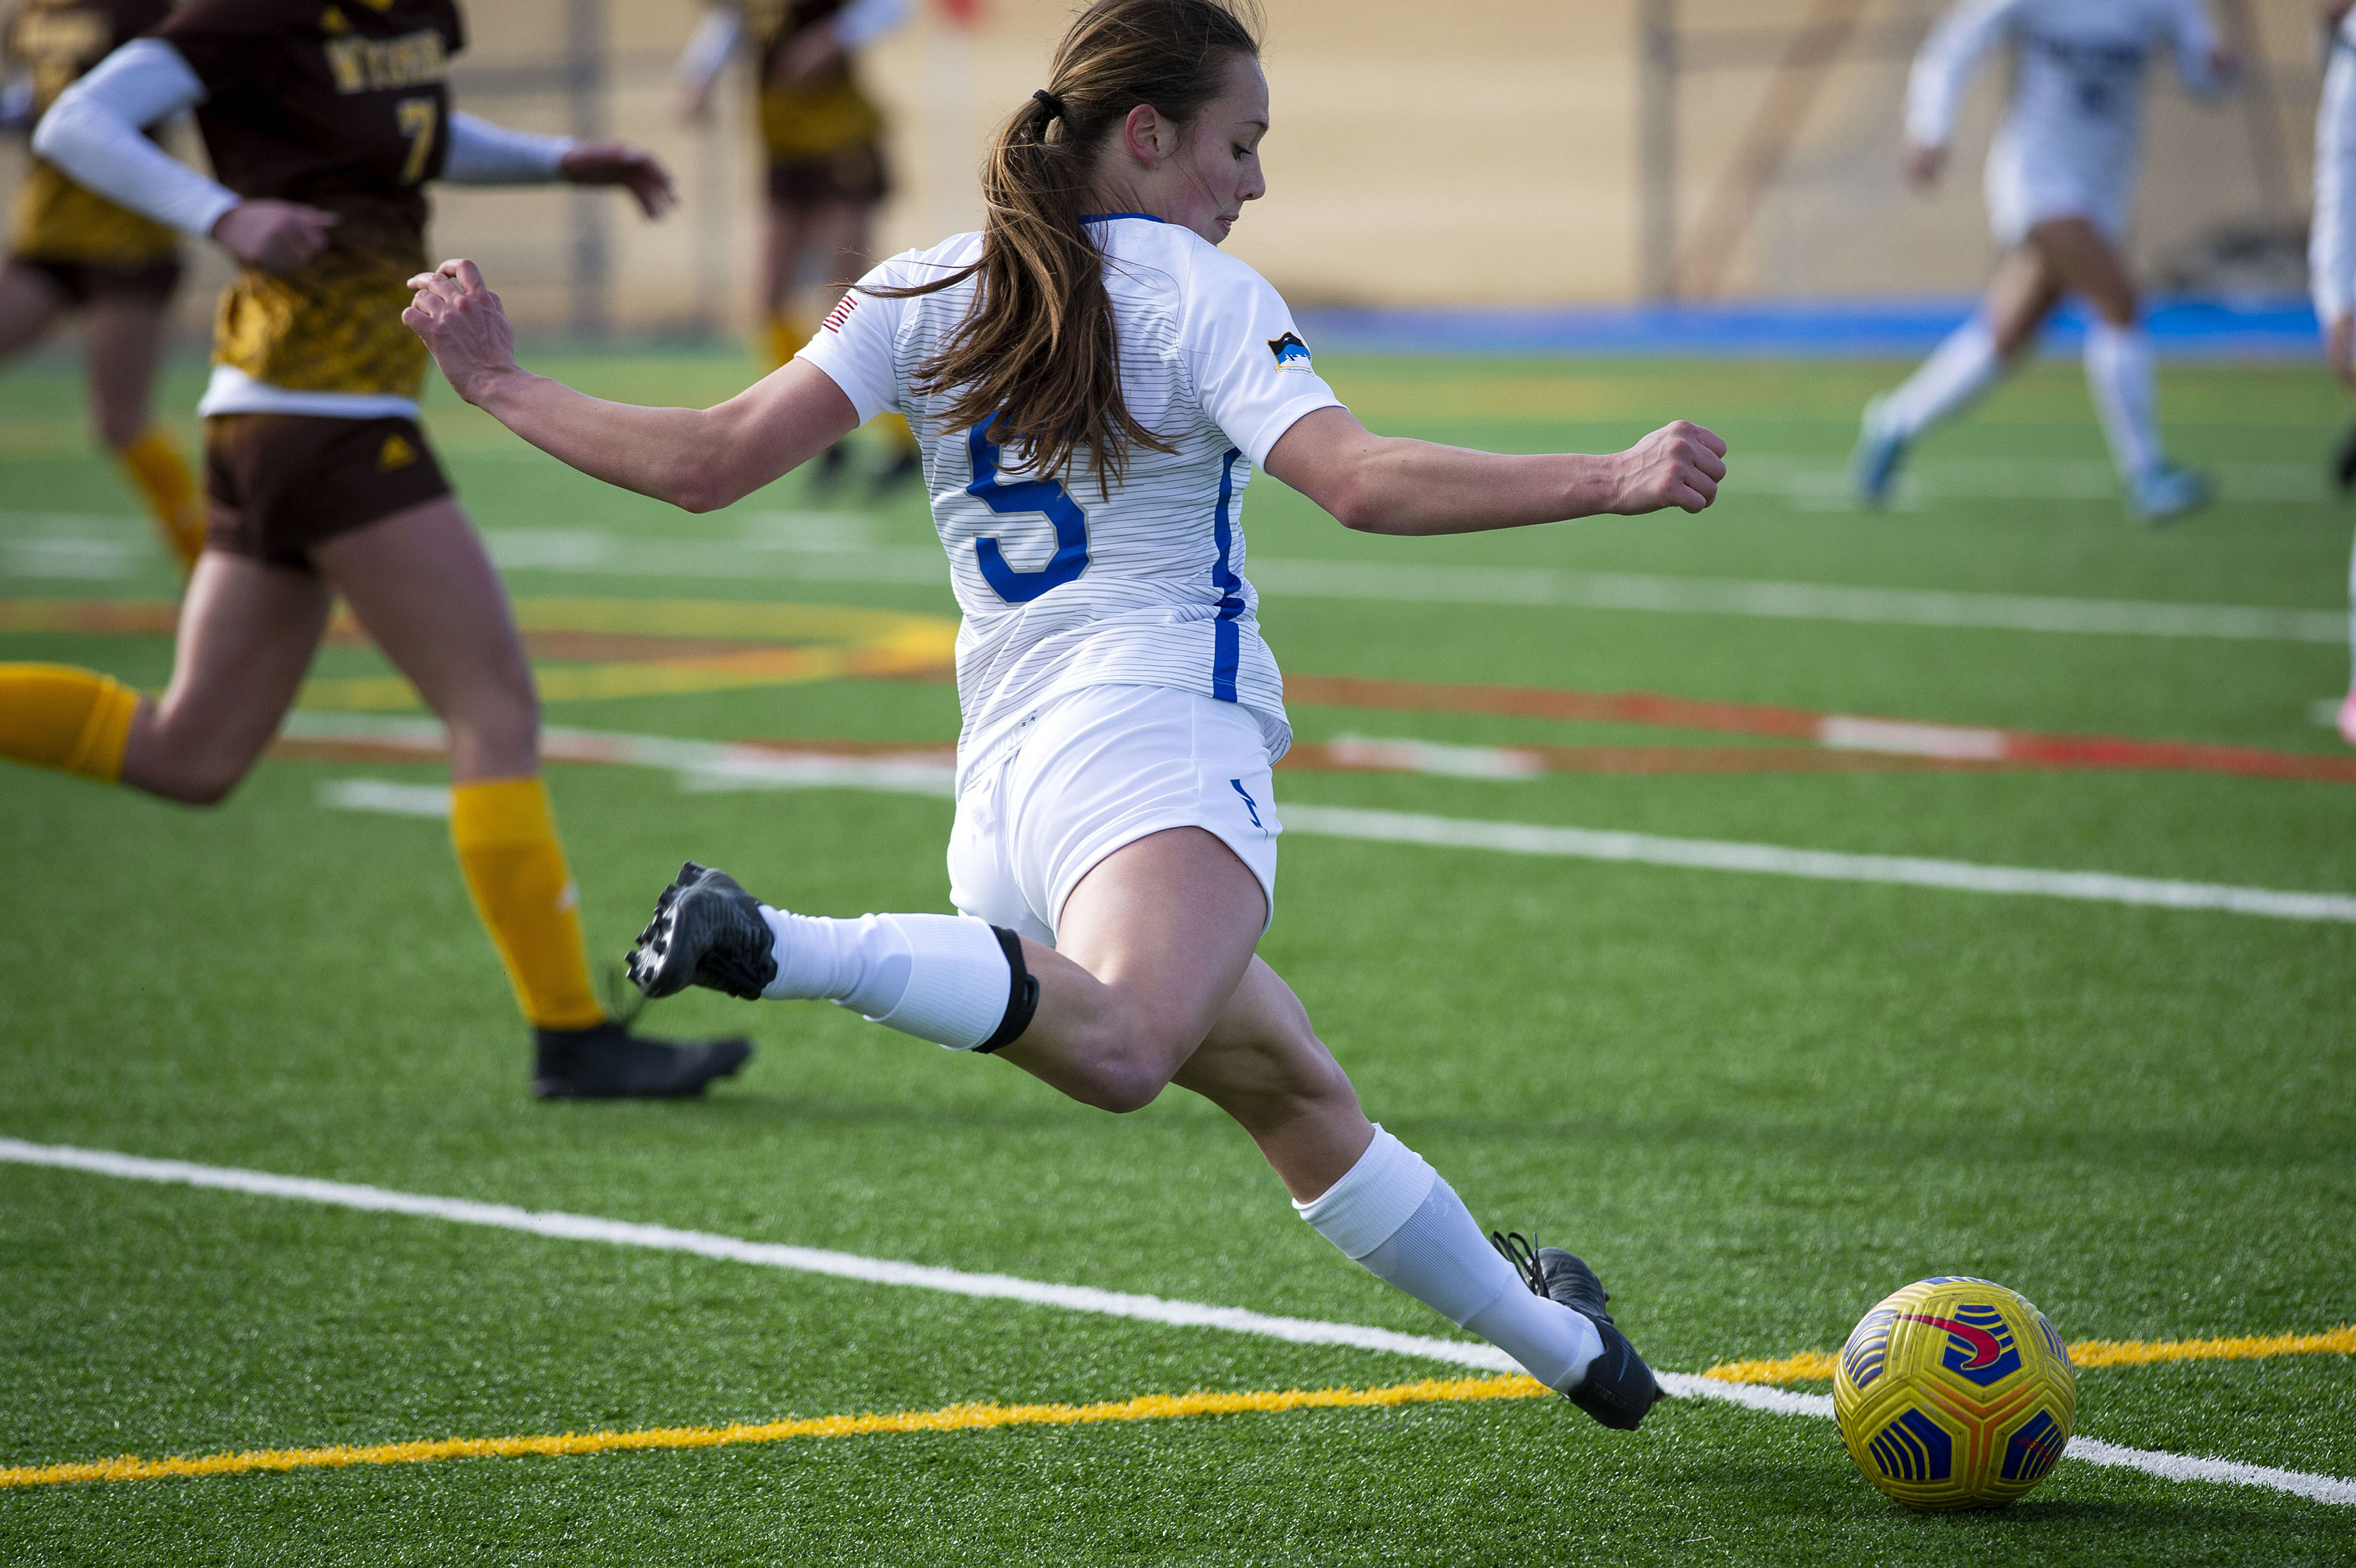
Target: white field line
{"type": "Point", "coordinates": [700, 763]}
{"type": "Point", "coordinates": [710, 764]}
{"type": "Point", "coordinates": [1791, 601]}
{"type": "Point", "coordinates": [823, 547]}
{"type": "Point", "coordinates": [1529, 585]}
{"type": "Point", "coordinates": [1709, 854]}
{"type": "Point", "coordinates": [1069, 1298]}
{"type": "Point", "coordinates": [384, 795]}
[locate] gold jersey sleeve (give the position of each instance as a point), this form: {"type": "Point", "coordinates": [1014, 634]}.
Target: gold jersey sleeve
{"type": "Point", "coordinates": [809, 121]}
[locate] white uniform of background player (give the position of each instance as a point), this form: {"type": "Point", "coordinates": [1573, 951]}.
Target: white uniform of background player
{"type": "Point", "coordinates": [2060, 182]}
{"type": "Point", "coordinates": [1110, 669]}
{"type": "Point", "coordinates": [2331, 252]}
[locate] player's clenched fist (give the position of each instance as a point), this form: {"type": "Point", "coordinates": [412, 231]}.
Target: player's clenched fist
{"type": "Point", "coordinates": [464, 327]}
{"type": "Point", "coordinates": [1678, 465]}
{"type": "Point", "coordinates": [279, 237]}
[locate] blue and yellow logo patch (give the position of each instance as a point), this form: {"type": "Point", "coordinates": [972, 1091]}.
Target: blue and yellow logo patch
{"type": "Point", "coordinates": [1291, 353]}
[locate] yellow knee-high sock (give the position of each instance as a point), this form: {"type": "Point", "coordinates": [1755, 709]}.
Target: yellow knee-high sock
{"type": "Point", "coordinates": [506, 839]}
{"type": "Point", "coordinates": [53, 715]}
{"type": "Point", "coordinates": [895, 429]}
{"type": "Point", "coordinates": [170, 491]}
{"type": "Point", "coordinates": [788, 331]}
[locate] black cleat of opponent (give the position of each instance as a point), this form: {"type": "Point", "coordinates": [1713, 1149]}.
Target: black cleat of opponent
{"type": "Point", "coordinates": [706, 931]}
{"type": "Point", "coordinates": [606, 1061]}
{"type": "Point", "coordinates": [2343, 460]}
{"type": "Point", "coordinates": [1619, 1389]}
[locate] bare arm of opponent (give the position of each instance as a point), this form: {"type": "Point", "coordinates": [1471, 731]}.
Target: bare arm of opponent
{"type": "Point", "coordinates": [696, 458]}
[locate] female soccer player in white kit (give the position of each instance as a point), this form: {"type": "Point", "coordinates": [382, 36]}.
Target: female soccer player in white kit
{"type": "Point", "coordinates": [1094, 384]}
{"type": "Point", "coordinates": [2331, 256]}
{"type": "Point", "coordinates": [2061, 178]}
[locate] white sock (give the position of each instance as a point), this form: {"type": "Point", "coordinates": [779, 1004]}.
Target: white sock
{"type": "Point", "coordinates": [2351, 623]}
{"type": "Point", "coordinates": [1957, 371]}
{"type": "Point", "coordinates": [941, 978]}
{"type": "Point", "coordinates": [1392, 1213]}
{"type": "Point", "coordinates": [2119, 375]}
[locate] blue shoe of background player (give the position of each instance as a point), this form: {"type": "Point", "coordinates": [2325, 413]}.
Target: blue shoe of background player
{"type": "Point", "coordinates": [1873, 467]}
{"type": "Point", "coordinates": [2165, 492]}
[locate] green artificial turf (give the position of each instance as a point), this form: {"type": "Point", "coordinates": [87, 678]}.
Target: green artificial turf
{"type": "Point", "coordinates": [1756, 1103]}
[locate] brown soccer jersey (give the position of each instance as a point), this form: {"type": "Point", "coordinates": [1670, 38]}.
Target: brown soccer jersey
{"type": "Point", "coordinates": [813, 120]}
{"type": "Point", "coordinates": [56, 219]}
{"type": "Point", "coordinates": [342, 106]}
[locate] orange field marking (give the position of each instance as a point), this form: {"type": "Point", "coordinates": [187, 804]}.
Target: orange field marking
{"type": "Point", "coordinates": [646, 648]}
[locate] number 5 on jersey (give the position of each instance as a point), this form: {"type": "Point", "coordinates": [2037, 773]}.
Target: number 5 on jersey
{"type": "Point", "coordinates": [1044, 496]}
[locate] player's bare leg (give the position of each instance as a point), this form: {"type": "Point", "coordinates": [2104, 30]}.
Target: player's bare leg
{"type": "Point", "coordinates": [2020, 299]}
{"type": "Point", "coordinates": [125, 336]}
{"type": "Point", "coordinates": [1154, 982]}
{"type": "Point", "coordinates": [420, 582]}
{"type": "Point", "coordinates": [792, 234]}
{"type": "Point", "coordinates": [1973, 357]}
{"type": "Point", "coordinates": [246, 637]}
{"type": "Point", "coordinates": [2120, 372]}
{"type": "Point", "coordinates": [29, 305]}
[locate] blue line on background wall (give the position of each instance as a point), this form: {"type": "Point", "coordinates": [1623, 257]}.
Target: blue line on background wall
{"type": "Point", "coordinates": [1893, 329]}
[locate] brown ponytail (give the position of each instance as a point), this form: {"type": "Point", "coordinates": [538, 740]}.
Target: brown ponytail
{"type": "Point", "coordinates": [1037, 349]}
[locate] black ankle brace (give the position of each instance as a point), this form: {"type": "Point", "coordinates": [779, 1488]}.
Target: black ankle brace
{"type": "Point", "coordinates": [1022, 994]}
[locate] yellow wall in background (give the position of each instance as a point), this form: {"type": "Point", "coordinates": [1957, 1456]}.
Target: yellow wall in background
{"type": "Point", "coordinates": [1482, 154]}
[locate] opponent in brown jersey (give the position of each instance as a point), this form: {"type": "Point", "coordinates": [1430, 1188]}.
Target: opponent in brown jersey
{"type": "Point", "coordinates": [324, 121]}
{"type": "Point", "coordinates": [822, 136]}
{"type": "Point", "coordinates": [71, 250]}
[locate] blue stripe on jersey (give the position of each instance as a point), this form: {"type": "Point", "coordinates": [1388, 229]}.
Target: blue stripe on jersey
{"type": "Point", "coordinates": [1227, 643]}
{"type": "Point", "coordinates": [1108, 217]}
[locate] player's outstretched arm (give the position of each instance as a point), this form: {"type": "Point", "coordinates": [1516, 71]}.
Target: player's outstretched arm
{"type": "Point", "coordinates": [696, 458]}
{"type": "Point", "coordinates": [1381, 484]}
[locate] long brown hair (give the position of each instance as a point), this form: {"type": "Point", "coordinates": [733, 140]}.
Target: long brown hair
{"type": "Point", "coordinates": [1036, 352]}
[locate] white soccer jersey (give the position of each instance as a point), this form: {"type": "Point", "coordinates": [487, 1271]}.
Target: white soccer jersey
{"type": "Point", "coordinates": [2070, 144]}
{"type": "Point", "coordinates": [2331, 242]}
{"type": "Point", "coordinates": [1063, 588]}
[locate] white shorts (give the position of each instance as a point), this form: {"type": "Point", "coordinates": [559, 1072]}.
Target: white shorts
{"type": "Point", "coordinates": [2024, 190]}
{"type": "Point", "coordinates": [1099, 769]}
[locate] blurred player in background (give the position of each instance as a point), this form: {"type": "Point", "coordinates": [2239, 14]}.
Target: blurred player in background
{"type": "Point", "coordinates": [2061, 179]}
{"type": "Point", "coordinates": [823, 138]}
{"type": "Point", "coordinates": [2332, 255]}
{"type": "Point", "coordinates": [1095, 383]}
{"type": "Point", "coordinates": [69, 250]}
{"type": "Point", "coordinates": [324, 121]}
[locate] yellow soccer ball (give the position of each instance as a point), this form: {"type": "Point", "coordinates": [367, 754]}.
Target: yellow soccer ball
{"type": "Point", "coordinates": [1954, 1393]}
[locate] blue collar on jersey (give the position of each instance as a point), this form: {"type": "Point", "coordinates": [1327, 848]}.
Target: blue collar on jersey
{"type": "Point", "coordinates": [1108, 217]}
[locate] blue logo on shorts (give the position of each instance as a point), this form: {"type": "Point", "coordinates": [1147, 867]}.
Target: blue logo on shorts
{"type": "Point", "coordinates": [1237, 785]}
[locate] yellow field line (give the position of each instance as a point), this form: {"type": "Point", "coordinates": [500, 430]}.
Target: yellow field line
{"type": "Point", "coordinates": [1810, 1365]}
{"type": "Point", "coordinates": [952, 1418]}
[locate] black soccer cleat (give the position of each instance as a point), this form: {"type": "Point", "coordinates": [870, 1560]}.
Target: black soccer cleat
{"type": "Point", "coordinates": [706, 931]}
{"type": "Point", "coordinates": [1619, 1389]}
{"type": "Point", "coordinates": [2343, 461]}
{"type": "Point", "coordinates": [606, 1061]}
